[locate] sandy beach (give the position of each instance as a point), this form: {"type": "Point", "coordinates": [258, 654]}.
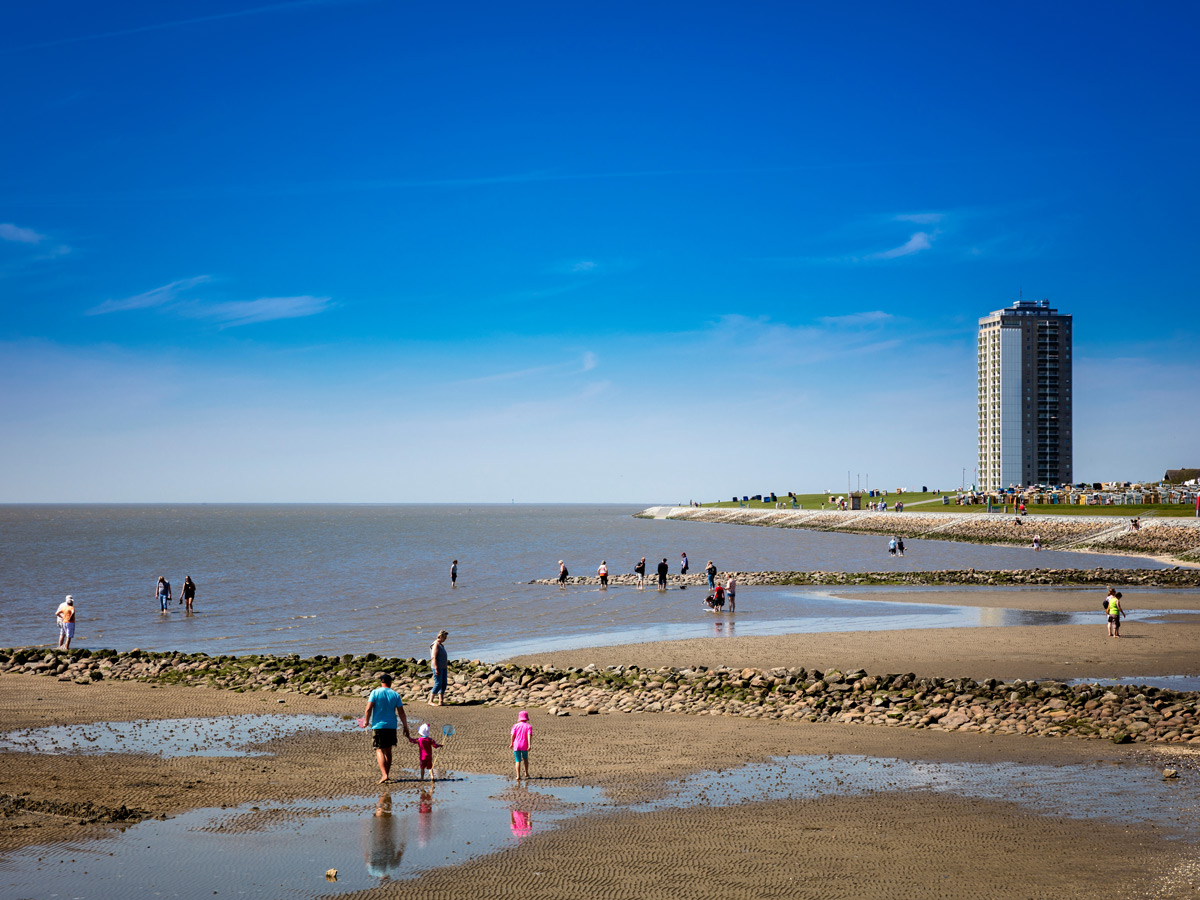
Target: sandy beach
{"type": "Point", "coordinates": [901, 843]}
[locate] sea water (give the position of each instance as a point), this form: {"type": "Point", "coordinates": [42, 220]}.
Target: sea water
{"type": "Point", "coordinates": [338, 579]}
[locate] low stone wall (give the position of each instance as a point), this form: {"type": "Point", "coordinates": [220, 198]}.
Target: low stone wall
{"type": "Point", "coordinates": [1119, 714]}
{"type": "Point", "coordinates": [901, 525]}
{"type": "Point", "coordinates": [985, 529]}
{"type": "Point", "coordinates": [1156, 538]}
{"type": "Point", "coordinates": [1176, 577]}
{"type": "Point", "coordinates": [1099, 533]}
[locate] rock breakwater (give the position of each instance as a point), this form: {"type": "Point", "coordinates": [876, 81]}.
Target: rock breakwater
{"type": "Point", "coordinates": [1178, 537]}
{"type": "Point", "coordinates": [1176, 578]}
{"type": "Point", "coordinates": [1122, 714]}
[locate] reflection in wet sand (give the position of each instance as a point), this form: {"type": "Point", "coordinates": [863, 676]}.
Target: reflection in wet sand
{"type": "Point", "coordinates": [384, 840]}
{"type": "Point", "coordinates": [277, 849]}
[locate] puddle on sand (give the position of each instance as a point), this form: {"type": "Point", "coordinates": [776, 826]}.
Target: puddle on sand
{"type": "Point", "coordinates": [282, 850]}
{"type": "Point", "coordinates": [215, 736]}
{"type": "Point", "coordinates": [1135, 794]}
{"type": "Point", "coordinates": [1163, 682]}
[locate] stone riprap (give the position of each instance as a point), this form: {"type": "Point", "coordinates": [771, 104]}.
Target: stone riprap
{"type": "Point", "coordinates": [1180, 537]}
{"type": "Point", "coordinates": [1175, 539]}
{"type": "Point", "coordinates": [1169, 578]}
{"type": "Point", "coordinates": [1121, 714]}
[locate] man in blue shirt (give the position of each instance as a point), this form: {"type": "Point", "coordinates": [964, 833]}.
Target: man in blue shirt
{"type": "Point", "coordinates": [384, 709]}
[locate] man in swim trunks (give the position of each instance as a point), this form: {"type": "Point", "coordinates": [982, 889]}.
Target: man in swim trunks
{"type": "Point", "coordinates": [65, 616]}
{"type": "Point", "coordinates": [385, 710]}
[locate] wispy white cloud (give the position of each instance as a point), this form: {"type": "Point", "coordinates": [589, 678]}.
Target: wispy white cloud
{"type": "Point", "coordinates": [589, 266]}
{"type": "Point", "coordinates": [265, 309]}
{"type": "Point", "coordinates": [930, 218]}
{"type": "Point", "coordinates": [17, 234]}
{"type": "Point", "coordinates": [156, 297]}
{"type": "Point", "coordinates": [921, 240]}
{"type": "Point", "coordinates": [834, 337]}
{"type": "Point", "coordinates": [586, 363]}
{"type": "Point", "coordinates": [853, 320]}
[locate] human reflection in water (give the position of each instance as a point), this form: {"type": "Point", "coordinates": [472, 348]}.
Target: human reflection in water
{"type": "Point", "coordinates": [521, 822]}
{"type": "Point", "coordinates": [722, 628]}
{"type": "Point", "coordinates": [385, 846]}
{"type": "Point", "coordinates": [425, 817]}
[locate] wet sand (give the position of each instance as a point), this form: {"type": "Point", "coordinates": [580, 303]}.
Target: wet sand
{"type": "Point", "coordinates": [1032, 652]}
{"type": "Point", "coordinates": [911, 844]}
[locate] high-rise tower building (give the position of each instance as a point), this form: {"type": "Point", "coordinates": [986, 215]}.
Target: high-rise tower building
{"type": "Point", "coordinates": [1024, 396]}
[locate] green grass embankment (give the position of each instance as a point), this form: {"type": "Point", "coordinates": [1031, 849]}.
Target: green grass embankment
{"type": "Point", "coordinates": [931, 502]}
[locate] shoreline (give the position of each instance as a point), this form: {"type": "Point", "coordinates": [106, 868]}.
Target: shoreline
{"type": "Point", "coordinates": [1181, 577]}
{"type": "Point", "coordinates": [776, 676]}
{"type": "Point", "coordinates": [635, 728]}
{"type": "Point", "coordinates": [1174, 539]}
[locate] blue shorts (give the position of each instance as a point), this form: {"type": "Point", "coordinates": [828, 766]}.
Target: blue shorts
{"type": "Point", "coordinates": [439, 682]}
{"type": "Point", "coordinates": [521, 755]}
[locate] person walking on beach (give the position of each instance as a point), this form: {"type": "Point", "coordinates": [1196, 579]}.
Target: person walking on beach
{"type": "Point", "coordinates": [441, 668]}
{"type": "Point", "coordinates": [892, 547]}
{"type": "Point", "coordinates": [711, 571]}
{"type": "Point", "coordinates": [731, 592]}
{"type": "Point", "coordinates": [453, 573]}
{"type": "Point", "coordinates": [562, 573]}
{"type": "Point", "coordinates": [384, 714]}
{"type": "Point", "coordinates": [900, 546]}
{"type": "Point", "coordinates": [163, 592]}
{"type": "Point", "coordinates": [65, 617]}
{"type": "Point", "coordinates": [603, 573]}
{"type": "Point", "coordinates": [639, 570]}
{"type": "Point", "coordinates": [519, 744]}
{"type": "Point", "coordinates": [187, 593]}
{"type": "Point", "coordinates": [663, 568]}
{"type": "Point", "coordinates": [1112, 605]}
{"type": "Point", "coordinates": [425, 747]}
{"type": "Point", "coordinates": [683, 563]}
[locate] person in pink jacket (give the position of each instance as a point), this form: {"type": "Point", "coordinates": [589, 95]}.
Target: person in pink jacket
{"type": "Point", "coordinates": [425, 745]}
{"type": "Point", "coordinates": [521, 733]}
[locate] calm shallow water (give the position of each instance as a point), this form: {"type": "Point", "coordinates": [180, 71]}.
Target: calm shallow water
{"type": "Point", "coordinates": [777, 610]}
{"type": "Point", "coordinates": [283, 849]}
{"type": "Point", "coordinates": [353, 579]}
{"type": "Point", "coordinates": [211, 736]}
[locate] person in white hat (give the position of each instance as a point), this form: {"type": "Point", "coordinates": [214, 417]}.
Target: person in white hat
{"type": "Point", "coordinates": [66, 622]}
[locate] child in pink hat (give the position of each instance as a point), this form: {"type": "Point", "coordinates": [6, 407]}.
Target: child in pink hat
{"type": "Point", "coordinates": [425, 746]}
{"type": "Point", "coordinates": [521, 733]}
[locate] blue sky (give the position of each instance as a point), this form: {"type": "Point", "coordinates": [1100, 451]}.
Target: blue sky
{"type": "Point", "coordinates": [355, 250]}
